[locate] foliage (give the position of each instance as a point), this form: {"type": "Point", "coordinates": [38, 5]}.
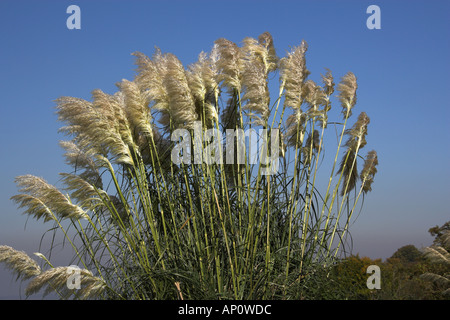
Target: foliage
{"type": "Point", "coordinates": [408, 253]}
{"type": "Point", "coordinates": [409, 274]}
{"type": "Point", "coordinates": [439, 255]}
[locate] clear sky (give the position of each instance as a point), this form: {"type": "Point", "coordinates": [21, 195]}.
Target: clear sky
{"type": "Point", "coordinates": [403, 76]}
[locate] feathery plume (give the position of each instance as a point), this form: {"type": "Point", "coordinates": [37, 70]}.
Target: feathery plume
{"type": "Point", "coordinates": [357, 133]}
{"type": "Point", "coordinates": [150, 78]}
{"type": "Point", "coordinates": [19, 262]}
{"type": "Point", "coordinates": [113, 128]}
{"type": "Point", "coordinates": [79, 160]}
{"type": "Point", "coordinates": [34, 207]}
{"type": "Point", "coordinates": [210, 74]}
{"type": "Point", "coordinates": [58, 278]}
{"type": "Point", "coordinates": [312, 146]}
{"type": "Point", "coordinates": [313, 141]}
{"type": "Point", "coordinates": [314, 96]}
{"type": "Point", "coordinates": [78, 114]}
{"type": "Point", "coordinates": [293, 74]}
{"type": "Point", "coordinates": [437, 254]}
{"type": "Point", "coordinates": [43, 199]}
{"type": "Point", "coordinates": [195, 77]}
{"type": "Point", "coordinates": [436, 278]}
{"type": "Point", "coordinates": [256, 93]}
{"type": "Point", "coordinates": [201, 78]}
{"type": "Point", "coordinates": [369, 170]}
{"type": "Point", "coordinates": [441, 281]}
{"type": "Point", "coordinates": [348, 168]}
{"type": "Point", "coordinates": [259, 60]}
{"type": "Point", "coordinates": [359, 129]}
{"type": "Point", "coordinates": [229, 64]}
{"type": "Point", "coordinates": [445, 239]}
{"type": "Point", "coordinates": [261, 51]}
{"type": "Point", "coordinates": [328, 83]}
{"type": "Point", "coordinates": [327, 91]}
{"type": "Point", "coordinates": [136, 108]}
{"type": "Point", "coordinates": [270, 56]}
{"type": "Point", "coordinates": [347, 93]}
{"type": "Point", "coordinates": [99, 127]}
{"type": "Point", "coordinates": [85, 193]}
{"type": "Point", "coordinates": [181, 103]}
{"type": "Point", "coordinates": [355, 142]}
{"type": "Point", "coordinates": [295, 128]}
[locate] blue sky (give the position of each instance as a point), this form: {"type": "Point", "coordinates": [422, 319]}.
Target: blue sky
{"type": "Point", "coordinates": [403, 76]}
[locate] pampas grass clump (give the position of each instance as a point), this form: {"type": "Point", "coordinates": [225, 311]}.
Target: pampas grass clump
{"type": "Point", "coordinates": [439, 254]}
{"type": "Point", "coordinates": [144, 225]}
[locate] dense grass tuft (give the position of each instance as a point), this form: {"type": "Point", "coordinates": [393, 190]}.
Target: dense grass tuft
{"type": "Point", "coordinates": [164, 203]}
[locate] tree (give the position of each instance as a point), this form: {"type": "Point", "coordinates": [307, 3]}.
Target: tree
{"type": "Point", "coordinates": [407, 254]}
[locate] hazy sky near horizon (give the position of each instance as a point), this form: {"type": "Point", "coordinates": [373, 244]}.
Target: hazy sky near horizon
{"type": "Point", "coordinates": [403, 76]}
